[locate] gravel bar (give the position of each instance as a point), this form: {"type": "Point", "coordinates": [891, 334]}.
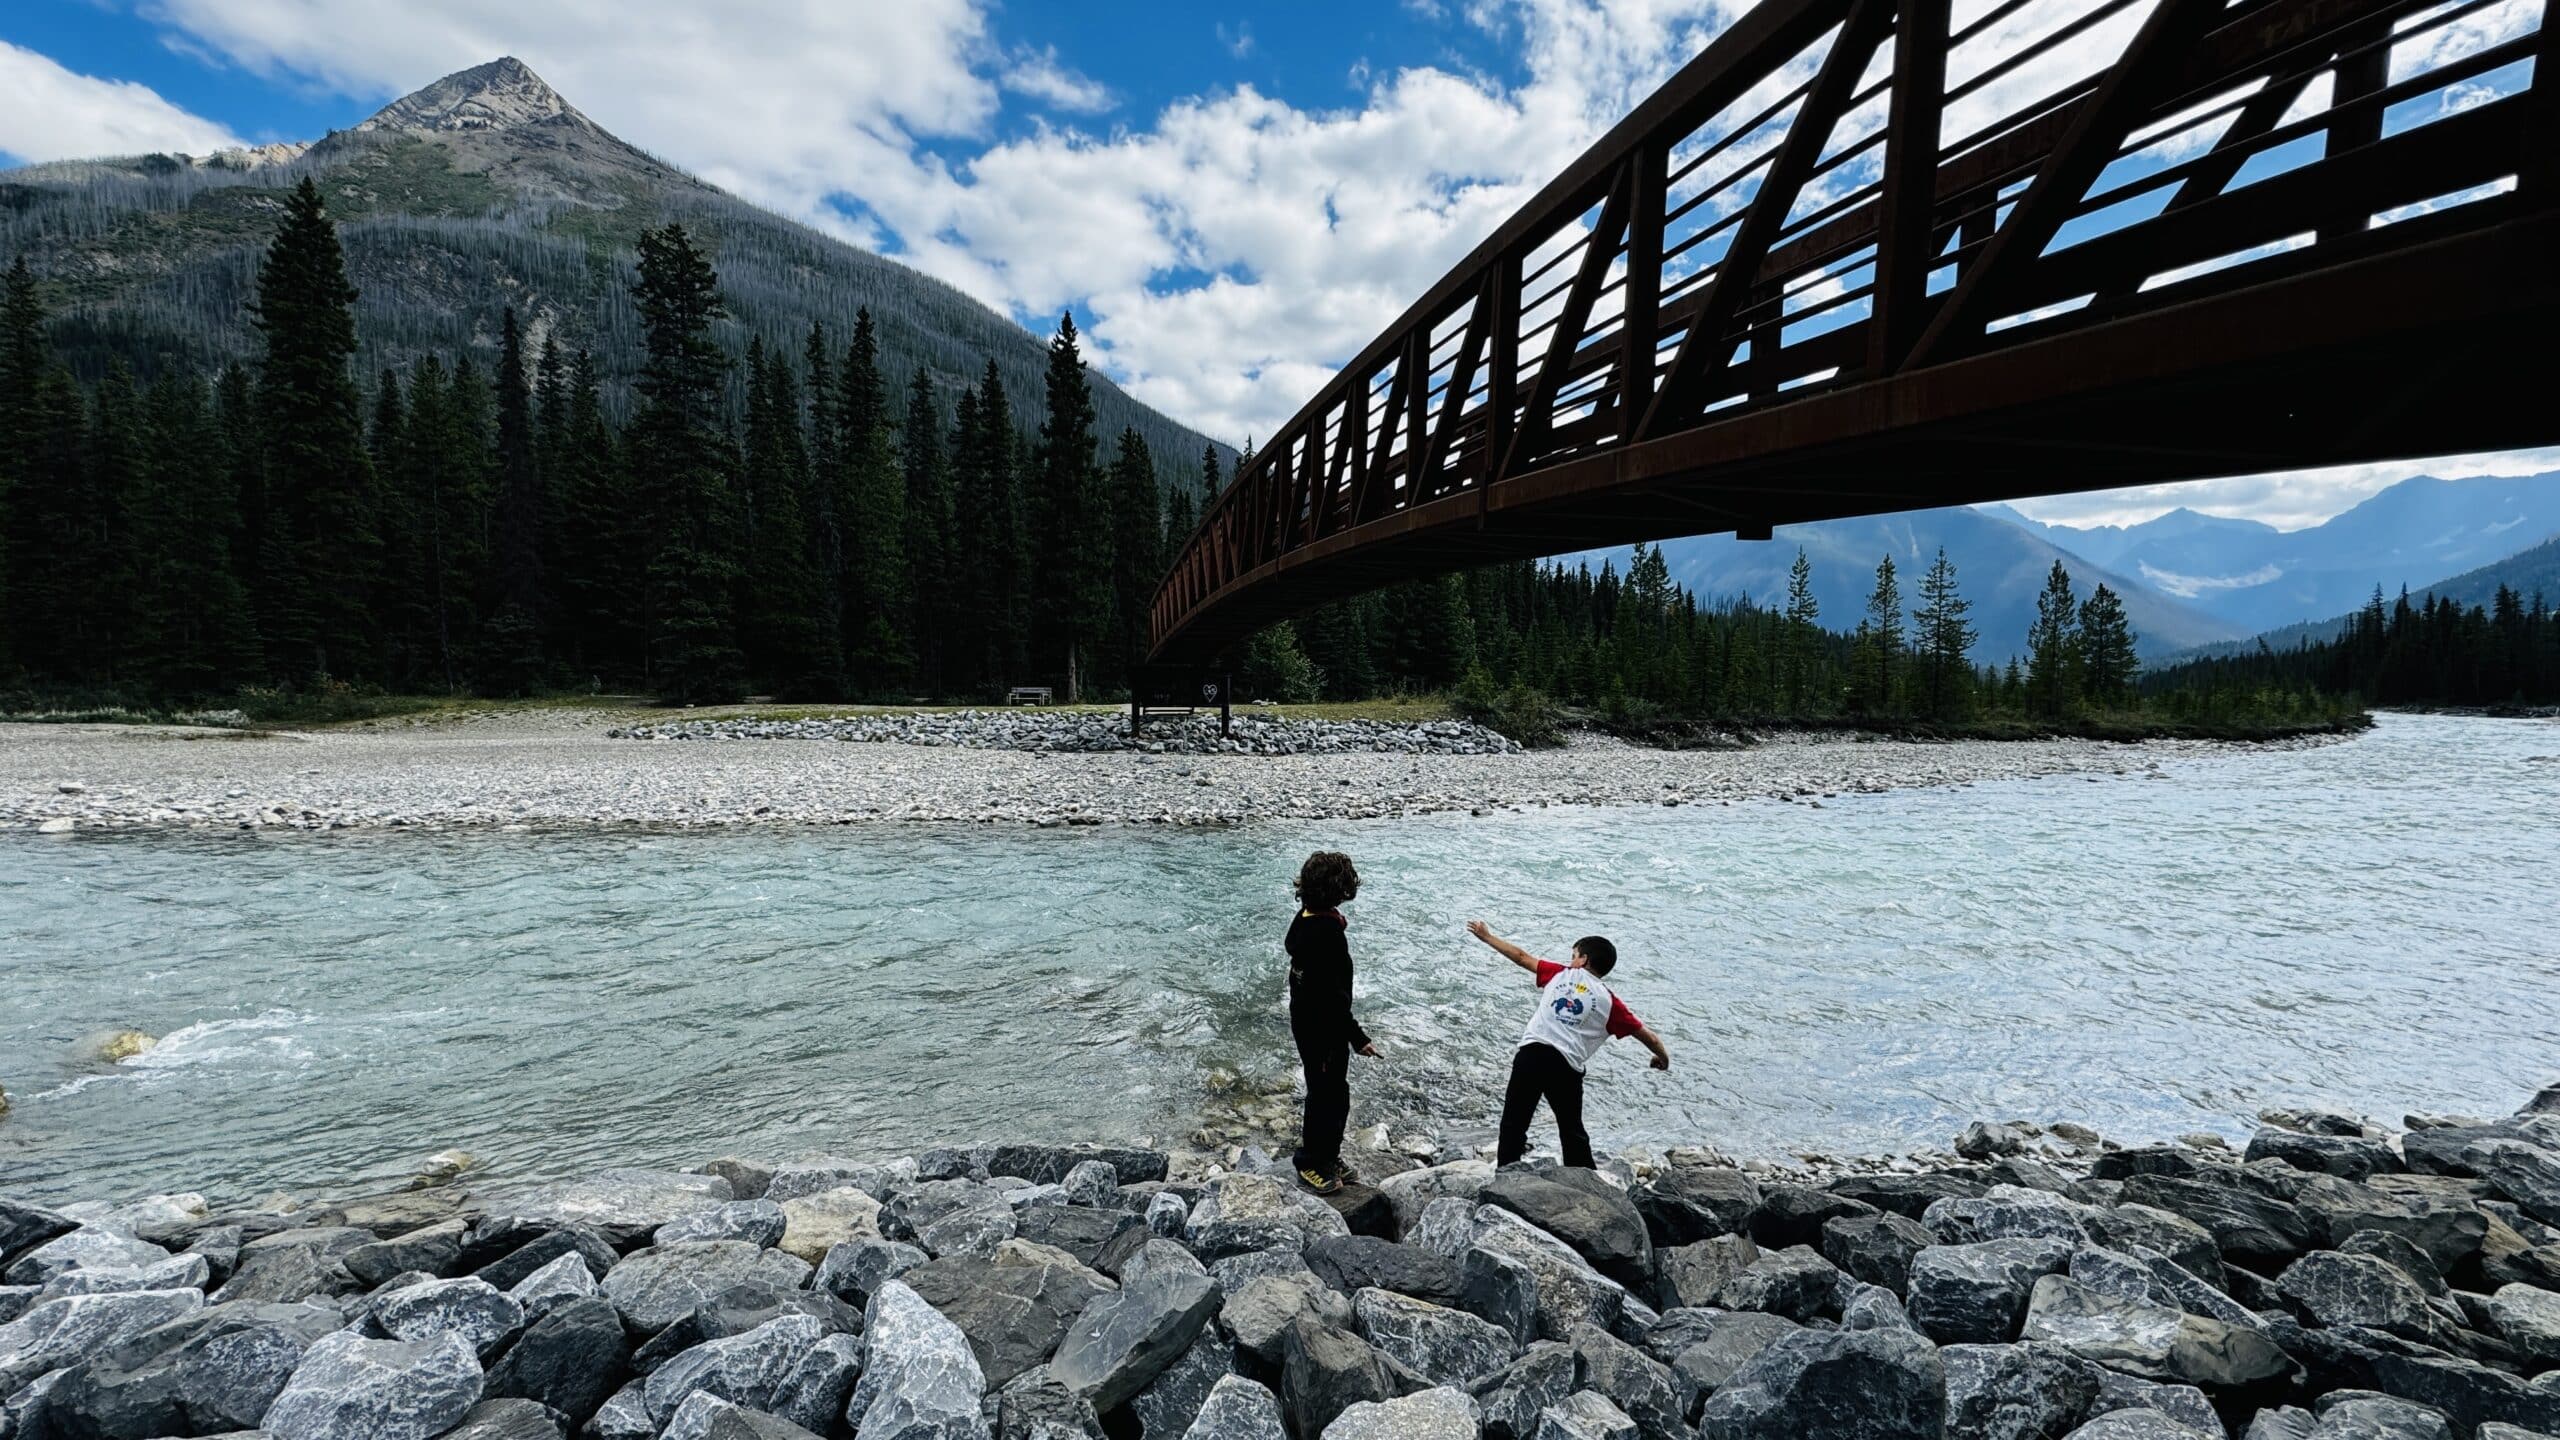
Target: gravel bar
{"type": "Point", "coordinates": [575, 767]}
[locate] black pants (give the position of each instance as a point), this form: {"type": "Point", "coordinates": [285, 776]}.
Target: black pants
{"type": "Point", "coordinates": [1540, 1072]}
{"type": "Point", "coordinates": [1327, 1061]}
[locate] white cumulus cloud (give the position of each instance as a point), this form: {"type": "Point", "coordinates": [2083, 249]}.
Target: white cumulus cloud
{"type": "Point", "coordinates": [50, 113]}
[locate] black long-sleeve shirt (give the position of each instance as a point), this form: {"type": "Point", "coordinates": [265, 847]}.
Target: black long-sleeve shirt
{"type": "Point", "coordinates": [1320, 980]}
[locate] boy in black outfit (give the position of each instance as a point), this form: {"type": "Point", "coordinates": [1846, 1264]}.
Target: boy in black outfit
{"type": "Point", "coordinates": [1320, 1014]}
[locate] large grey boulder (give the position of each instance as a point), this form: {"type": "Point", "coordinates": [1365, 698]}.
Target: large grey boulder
{"type": "Point", "coordinates": [1242, 1212]}
{"type": "Point", "coordinates": [470, 1308]}
{"type": "Point", "coordinates": [2527, 1174]}
{"type": "Point", "coordinates": [1685, 1204]}
{"type": "Point", "coordinates": [1795, 1214]}
{"type": "Point", "coordinates": [23, 1227]}
{"type": "Point", "coordinates": [758, 1222]}
{"type": "Point", "coordinates": [1834, 1385]}
{"type": "Point", "coordinates": [2017, 1392]}
{"type": "Point", "coordinates": [1099, 1238]}
{"type": "Point", "coordinates": [1512, 1398]}
{"type": "Point", "coordinates": [2332, 1289]}
{"type": "Point", "coordinates": [792, 1367]}
{"type": "Point", "coordinates": [1503, 1289]}
{"type": "Point", "coordinates": [803, 1178]}
{"type": "Point", "coordinates": [1583, 1210]}
{"type": "Point", "coordinates": [1442, 1345]}
{"type": "Point", "coordinates": [1257, 1315]}
{"type": "Point", "coordinates": [2010, 1212]}
{"type": "Point", "coordinates": [1439, 1414]}
{"type": "Point", "coordinates": [1173, 1399]}
{"type": "Point", "coordinates": [524, 1257]}
{"type": "Point", "coordinates": [1733, 1340]}
{"type": "Point", "coordinates": [178, 1272]}
{"type": "Point", "coordinates": [572, 1360]}
{"type": "Point", "coordinates": [1977, 1294]}
{"type": "Point", "coordinates": [430, 1249]}
{"type": "Point", "coordinates": [83, 1247]}
{"type": "Point", "coordinates": [510, 1420]}
{"type": "Point", "coordinates": [920, 1380]}
{"type": "Point", "coordinates": [1639, 1385]}
{"type": "Point", "coordinates": [1014, 1315]}
{"type": "Point", "coordinates": [2251, 1228]}
{"type": "Point", "coordinates": [2128, 1227]}
{"type": "Point", "coordinates": [656, 1287]}
{"type": "Point", "coordinates": [1237, 1409]}
{"type": "Point", "coordinates": [2155, 1342]}
{"type": "Point", "coordinates": [1413, 1191]}
{"type": "Point", "coordinates": [2183, 1403]}
{"type": "Point", "coordinates": [1566, 1291]}
{"type": "Point", "coordinates": [294, 1265]}
{"type": "Point", "coordinates": [974, 1229]}
{"type": "Point", "coordinates": [350, 1388]}
{"type": "Point", "coordinates": [1091, 1182]}
{"type": "Point", "coordinates": [623, 1416]}
{"type": "Point", "coordinates": [1352, 1263]}
{"type": "Point", "coordinates": [1036, 1407]}
{"type": "Point", "coordinates": [1584, 1415]}
{"type": "Point", "coordinates": [1876, 1248]}
{"type": "Point", "coordinates": [1694, 1274]}
{"type": "Point", "coordinates": [1167, 1215]}
{"type": "Point", "coordinates": [2528, 1319]}
{"type": "Point", "coordinates": [1325, 1372]}
{"type": "Point", "coordinates": [2139, 1425]}
{"type": "Point", "coordinates": [66, 1331]}
{"type": "Point", "coordinates": [855, 1269]}
{"type": "Point", "coordinates": [1050, 1164]}
{"type": "Point", "coordinates": [2150, 1276]}
{"type": "Point", "coordinates": [553, 1286]}
{"type": "Point", "coordinates": [813, 1225]}
{"type": "Point", "coordinates": [625, 1205]}
{"type": "Point", "coordinates": [1908, 1196]}
{"type": "Point", "coordinates": [1795, 1282]}
{"type": "Point", "coordinates": [2349, 1157]}
{"type": "Point", "coordinates": [202, 1374]}
{"type": "Point", "coordinates": [1124, 1339]}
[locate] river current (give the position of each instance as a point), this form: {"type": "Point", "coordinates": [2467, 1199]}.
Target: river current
{"type": "Point", "coordinates": [2370, 924]}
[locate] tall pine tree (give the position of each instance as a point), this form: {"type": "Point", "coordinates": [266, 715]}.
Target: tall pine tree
{"type": "Point", "coordinates": [1071, 614]}
{"type": "Point", "coordinates": [680, 465]}
{"type": "Point", "coordinates": [512, 662]}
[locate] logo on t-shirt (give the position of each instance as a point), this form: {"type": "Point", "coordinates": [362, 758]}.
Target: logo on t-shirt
{"type": "Point", "coordinates": [1570, 1004]}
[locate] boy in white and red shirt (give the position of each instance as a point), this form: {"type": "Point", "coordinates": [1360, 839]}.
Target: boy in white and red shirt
{"type": "Point", "coordinates": [1576, 1015]}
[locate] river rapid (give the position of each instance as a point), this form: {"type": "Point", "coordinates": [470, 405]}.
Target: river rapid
{"type": "Point", "coordinates": [2369, 924]}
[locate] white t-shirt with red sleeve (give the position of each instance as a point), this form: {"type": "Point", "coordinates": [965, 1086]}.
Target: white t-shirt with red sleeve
{"type": "Point", "coordinates": [1576, 1014]}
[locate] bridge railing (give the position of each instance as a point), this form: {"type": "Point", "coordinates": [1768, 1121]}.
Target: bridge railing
{"type": "Point", "coordinates": [1838, 191]}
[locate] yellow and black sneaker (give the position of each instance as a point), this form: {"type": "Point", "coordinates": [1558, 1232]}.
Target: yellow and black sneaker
{"type": "Point", "coordinates": [1320, 1182]}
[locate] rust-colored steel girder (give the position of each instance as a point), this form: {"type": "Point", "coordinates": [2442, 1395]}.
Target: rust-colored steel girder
{"type": "Point", "coordinates": [1870, 255]}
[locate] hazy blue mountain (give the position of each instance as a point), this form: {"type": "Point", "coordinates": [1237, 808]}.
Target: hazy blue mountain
{"type": "Point", "coordinates": [2416, 533]}
{"type": "Point", "coordinates": [2000, 565]}
{"type": "Point", "coordinates": [2528, 573]}
{"type": "Point", "coordinates": [482, 190]}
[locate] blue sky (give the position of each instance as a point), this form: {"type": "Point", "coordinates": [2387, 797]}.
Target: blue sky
{"type": "Point", "coordinates": [1256, 189]}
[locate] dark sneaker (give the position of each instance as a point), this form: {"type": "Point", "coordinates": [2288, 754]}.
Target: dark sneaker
{"type": "Point", "coordinates": [1320, 1182]}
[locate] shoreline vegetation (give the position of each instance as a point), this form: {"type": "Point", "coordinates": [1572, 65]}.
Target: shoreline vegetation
{"type": "Point", "coordinates": [2338, 1279]}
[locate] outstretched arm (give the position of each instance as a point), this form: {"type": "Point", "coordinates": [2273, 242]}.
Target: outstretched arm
{"type": "Point", "coordinates": [1653, 1042]}
{"type": "Point", "coordinates": [1505, 948]}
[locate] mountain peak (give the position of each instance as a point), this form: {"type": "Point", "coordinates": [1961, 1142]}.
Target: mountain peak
{"type": "Point", "coordinates": [503, 94]}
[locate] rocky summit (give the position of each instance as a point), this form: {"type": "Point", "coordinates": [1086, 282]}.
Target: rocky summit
{"type": "Point", "coordinates": [2340, 1280]}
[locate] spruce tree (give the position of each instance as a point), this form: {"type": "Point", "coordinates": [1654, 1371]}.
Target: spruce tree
{"type": "Point", "coordinates": [199, 640]}
{"type": "Point", "coordinates": [1802, 641]}
{"type": "Point", "coordinates": [1945, 640]}
{"type": "Point", "coordinates": [988, 551]}
{"type": "Point", "coordinates": [1137, 548]}
{"type": "Point", "coordinates": [930, 588]}
{"type": "Point", "coordinates": [873, 507]}
{"type": "Point", "coordinates": [794, 647]}
{"type": "Point", "coordinates": [512, 662]}
{"type": "Point", "coordinates": [321, 550]}
{"type": "Point", "coordinates": [604, 551]}
{"type": "Point", "coordinates": [22, 363]}
{"type": "Point", "coordinates": [2053, 649]}
{"type": "Point", "coordinates": [1880, 661]}
{"type": "Point", "coordinates": [680, 468]}
{"type": "Point", "coordinates": [2108, 664]}
{"type": "Point", "coordinates": [1070, 526]}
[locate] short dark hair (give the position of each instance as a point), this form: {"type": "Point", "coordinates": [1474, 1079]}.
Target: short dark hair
{"type": "Point", "coordinates": [1598, 955]}
{"type": "Point", "coordinates": [1326, 880]}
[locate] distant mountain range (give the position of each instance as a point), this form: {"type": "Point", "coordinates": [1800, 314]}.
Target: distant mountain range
{"type": "Point", "coordinates": [482, 190]}
{"type": "Point", "coordinates": [2528, 573]}
{"type": "Point", "coordinates": [2189, 581]}
{"type": "Point", "coordinates": [2255, 577]}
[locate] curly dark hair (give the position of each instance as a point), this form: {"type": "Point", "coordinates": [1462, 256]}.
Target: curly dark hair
{"type": "Point", "coordinates": [1326, 880]}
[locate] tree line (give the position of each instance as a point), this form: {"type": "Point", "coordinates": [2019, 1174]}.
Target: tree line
{"type": "Point", "coordinates": [1638, 645]}
{"type": "Point", "coordinates": [801, 525]}
{"type": "Point", "coordinates": [2432, 651]}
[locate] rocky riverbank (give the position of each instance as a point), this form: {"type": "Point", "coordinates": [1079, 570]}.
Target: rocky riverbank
{"type": "Point", "coordinates": [575, 767]}
{"type": "Point", "coordinates": [2340, 1280]}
